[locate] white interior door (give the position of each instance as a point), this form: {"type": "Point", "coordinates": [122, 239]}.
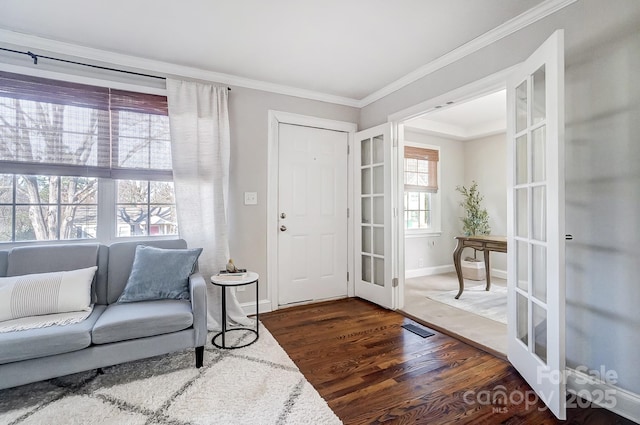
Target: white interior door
{"type": "Point", "coordinates": [312, 214]}
{"type": "Point", "coordinates": [373, 207]}
{"type": "Point", "coordinates": [536, 268]}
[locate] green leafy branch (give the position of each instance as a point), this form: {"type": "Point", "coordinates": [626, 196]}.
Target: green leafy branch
{"type": "Point", "coordinates": [476, 221]}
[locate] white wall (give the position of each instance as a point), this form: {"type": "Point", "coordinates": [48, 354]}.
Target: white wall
{"type": "Point", "coordinates": [423, 253]}
{"type": "Point", "coordinates": [602, 106]}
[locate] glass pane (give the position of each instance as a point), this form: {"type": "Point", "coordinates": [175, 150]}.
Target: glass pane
{"type": "Point", "coordinates": [521, 107]}
{"type": "Point", "coordinates": [132, 191]}
{"type": "Point", "coordinates": [522, 318]}
{"type": "Point", "coordinates": [378, 179]}
{"type": "Point", "coordinates": [521, 160]}
{"type": "Point", "coordinates": [78, 221]}
{"type": "Point", "coordinates": [540, 332]}
{"type": "Point", "coordinates": [538, 141]}
{"type": "Point", "coordinates": [413, 219]}
{"type": "Point", "coordinates": [365, 152]}
{"type": "Point", "coordinates": [366, 210]}
{"type": "Point", "coordinates": [162, 193]}
{"type": "Point", "coordinates": [522, 266]}
{"type": "Point", "coordinates": [539, 214]}
{"type": "Point", "coordinates": [366, 268]}
{"type": "Point", "coordinates": [522, 224]}
{"type": "Point", "coordinates": [378, 210]}
{"type": "Point", "coordinates": [36, 222]}
{"type": "Point", "coordinates": [413, 200]}
{"type": "Point", "coordinates": [6, 188]}
{"type": "Point", "coordinates": [539, 272]}
{"type": "Point", "coordinates": [378, 272]}
{"type": "Point", "coordinates": [78, 190]}
{"type": "Point", "coordinates": [378, 150]}
{"type": "Point", "coordinates": [425, 219]}
{"type": "Point", "coordinates": [366, 239]}
{"type": "Point", "coordinates": [131, 220]}
{"type": "Point", "coordinates": [378, 240]}
{"type": "Point", "coordinates": [538, 96]}
{"type": "Point", "coordinates": [160, 154]}
{"type": "Point", "coordinates": [423, 166]}
{"type": "Point", "coordinates": [37, 189]}
{"type": "Point", "coordinates": [162, 220]}
{"type": "Point", "coordinates": [366, 181]}
{"type": "Point", "coordinates": [6, 223]}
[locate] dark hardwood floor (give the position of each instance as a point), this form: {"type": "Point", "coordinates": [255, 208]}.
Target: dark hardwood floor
{"type": "Point", "coordinates": [370, 370]}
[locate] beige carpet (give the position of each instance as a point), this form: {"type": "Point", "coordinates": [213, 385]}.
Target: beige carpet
{"type": "Point", "coordinates": [458, 322]}
{"type": "Point", "coordinates": [491, 304]}
{"type": "Point", "coordinates": [258, 384]}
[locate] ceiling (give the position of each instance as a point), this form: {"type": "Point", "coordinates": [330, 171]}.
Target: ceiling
{"type": "Point", "coordinates": [480, 117]}
{"type": "Point", "coordinates": [344, 48]}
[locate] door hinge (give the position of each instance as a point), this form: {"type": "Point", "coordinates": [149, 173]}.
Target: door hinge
{"type": "Point", "coordinates": [394, 282]}
{"type": "Point", "coordinates": [348, 212]}
{"type": "Point", "coordinates": [347, 276]}
{"type": "Point", "coordinates": [348, 149]}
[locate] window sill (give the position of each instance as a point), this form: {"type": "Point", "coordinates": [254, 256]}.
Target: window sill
{"type": "Point", "coordinates": [410, 234]}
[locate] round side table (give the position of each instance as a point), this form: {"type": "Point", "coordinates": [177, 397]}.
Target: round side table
{"type": "Point", "coordinates": [225, 282]}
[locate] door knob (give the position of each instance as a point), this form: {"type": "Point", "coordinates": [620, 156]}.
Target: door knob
{"type": "Point", "coordinates": [283, 228]}
{"type": "Point", "coordinates": [568, 237]}
{"type": "Point", "coordinates": [283, 215]}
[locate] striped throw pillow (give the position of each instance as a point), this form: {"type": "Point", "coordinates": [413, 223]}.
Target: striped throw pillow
{"type": "Point", "coordinates": [45, 293]}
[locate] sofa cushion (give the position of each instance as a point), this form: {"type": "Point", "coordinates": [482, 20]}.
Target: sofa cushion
{"type": "Point", "coordinates": [121, 261]}
{"type": "Point", "coordinates": [126, 321]}
{"type": "Point", "coordinates": [45, 293]}
{"type": "Point", "coordinates": [159, 273]}
{"type": "Point", "coordinates": [40, 342]}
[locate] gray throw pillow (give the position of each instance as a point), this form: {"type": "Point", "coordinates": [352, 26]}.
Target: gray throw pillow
{"type": "Point", "coordinates": [159, 274]}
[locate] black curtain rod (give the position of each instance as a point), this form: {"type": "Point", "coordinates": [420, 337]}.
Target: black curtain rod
{"type": "Point", "coordinates": [35, 62]}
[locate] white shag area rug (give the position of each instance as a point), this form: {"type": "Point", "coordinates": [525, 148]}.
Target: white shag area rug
{"type": "Point", "coordinates": [491, 304]}
{"type": "Point", "coordinates": [258, 384]}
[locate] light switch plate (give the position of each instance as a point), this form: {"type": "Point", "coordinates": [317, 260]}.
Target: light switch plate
{"type": "Point", "coordinates": [251, 198]}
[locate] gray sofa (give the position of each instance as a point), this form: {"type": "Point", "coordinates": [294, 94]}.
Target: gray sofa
{"type": "Point", "coordinates": [113, 333]}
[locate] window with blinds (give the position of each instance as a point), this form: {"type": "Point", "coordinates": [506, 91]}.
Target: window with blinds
{"type": "Point", "coordinates": [420, 183]}
{"type": "Point", "coordinates": [60, 142]}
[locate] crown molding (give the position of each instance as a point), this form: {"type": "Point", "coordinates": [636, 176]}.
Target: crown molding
{"type": "Point", "coordinates": [521, 21]}
{"type": "Point", "coordinates": [161, 68]}
{"type": "Point", "coordinates": [164, 69]}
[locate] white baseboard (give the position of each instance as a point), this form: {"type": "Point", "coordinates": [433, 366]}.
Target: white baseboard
{"type": "Point", "coordinates": [501, 274]}
{"type": "Point", "coordinates": [249, 308]}
{"type": "Point", "coordinates": [428, 271]}
{"type": "Point", "coordinates": [606, 395]}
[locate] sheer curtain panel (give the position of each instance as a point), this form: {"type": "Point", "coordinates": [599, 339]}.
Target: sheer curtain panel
{"type": "Point", "coordinates": [200, 149]}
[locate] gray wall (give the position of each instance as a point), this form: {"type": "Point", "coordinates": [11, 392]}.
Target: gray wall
{"type": "Point", "coordinates": [485, 161]}
{"type": "Point", "coordinates": [433, 251]}
{"type": "Point", "coordinates": [602, 45]}
{"type": "Point", "coordinates": [248, 116]}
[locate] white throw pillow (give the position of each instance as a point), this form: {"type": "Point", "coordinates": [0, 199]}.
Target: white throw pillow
{"type": "Point", "coordinates": [45, 293]}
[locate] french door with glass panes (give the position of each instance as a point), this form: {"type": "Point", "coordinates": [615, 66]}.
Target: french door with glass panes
{"type": "Point", "coordinates": [374, 220]}
{"type": "Point", "coordinates": [535, 223]}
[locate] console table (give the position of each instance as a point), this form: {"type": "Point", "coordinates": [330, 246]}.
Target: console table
{"type": "Point", "coordinates": [479, 243]}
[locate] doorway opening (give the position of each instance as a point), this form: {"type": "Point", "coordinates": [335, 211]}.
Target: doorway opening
{"type": "Point", "coordinates": [470, 140]}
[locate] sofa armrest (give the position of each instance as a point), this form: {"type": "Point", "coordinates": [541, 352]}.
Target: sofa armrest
{"type": "Point", "coordinates": [198, 294]}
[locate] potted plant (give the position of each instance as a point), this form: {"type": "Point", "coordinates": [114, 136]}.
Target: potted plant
{"type": "Point", "coordinates": [474, 223]}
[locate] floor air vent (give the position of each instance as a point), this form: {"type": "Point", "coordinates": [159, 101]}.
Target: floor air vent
{"type": "Point", "coordinates": [418, 330]}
